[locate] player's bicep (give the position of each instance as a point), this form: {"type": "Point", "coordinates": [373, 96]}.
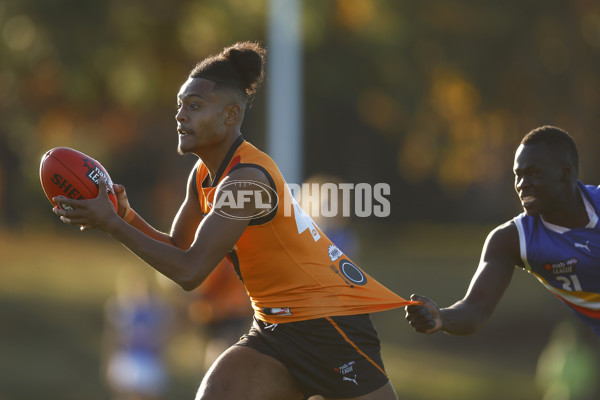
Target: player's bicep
{"type": "Point", "coordinates": [216, 236]}
{"type": "Point", "coordinates": [496, 266]}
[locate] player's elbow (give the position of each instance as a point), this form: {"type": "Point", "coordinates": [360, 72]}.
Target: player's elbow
{"type": "Point", "coordinates": [193, 271]}
{"type": "Point", "coordinates": [189, 283]}
{"type": "Point", "coordinates": [188, 286]}
{"type": "Point", "coordinates": [191, 279]}
{"type": "Point", "coordinates": [477, 322]}
{"type": "Point", "coordinates": [481, 315]}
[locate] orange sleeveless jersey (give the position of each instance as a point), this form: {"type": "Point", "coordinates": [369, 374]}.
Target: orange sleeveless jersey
{"type": "Point", "coordinates": [291, 270]}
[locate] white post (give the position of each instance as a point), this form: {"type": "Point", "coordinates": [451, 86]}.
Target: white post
{"type": "Point", "coordinates": [284, 88]}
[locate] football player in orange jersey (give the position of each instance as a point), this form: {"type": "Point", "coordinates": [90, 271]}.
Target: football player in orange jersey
{"type": "Point", "coordinates": [311, 334]}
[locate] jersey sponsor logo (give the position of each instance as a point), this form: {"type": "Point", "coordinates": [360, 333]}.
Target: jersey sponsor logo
{"type": "Point", "coordinates": [352, 273]}
{"type": "Point", "coordinates": [334, 252]}
{"type": "Point", "coordinates": [562, 267]}
{"type": "Point", "coordinates": [337, 271]}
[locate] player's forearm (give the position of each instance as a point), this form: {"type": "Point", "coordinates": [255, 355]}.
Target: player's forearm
{"type": "Point", "coordinates": [140, 224]}
{"type": "Point", "coordinates": [462, 319]}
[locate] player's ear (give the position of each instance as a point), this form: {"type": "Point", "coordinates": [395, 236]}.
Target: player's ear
{"type": "Point", "coordinates": [233, 114]}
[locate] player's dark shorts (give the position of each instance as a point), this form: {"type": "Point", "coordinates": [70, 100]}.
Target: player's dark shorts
{"type": "Point", "coordinates": [335, 357]}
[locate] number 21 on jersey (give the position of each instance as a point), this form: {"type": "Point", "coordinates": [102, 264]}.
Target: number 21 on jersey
{"type": "Point", "coordinates": [570, 282]}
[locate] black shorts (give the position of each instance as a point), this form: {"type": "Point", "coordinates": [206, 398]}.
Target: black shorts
{"type": "Point", "coordinates": [335, 357]}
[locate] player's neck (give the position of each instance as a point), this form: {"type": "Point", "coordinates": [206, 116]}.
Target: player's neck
{"type": "Point", "coordinates": [573, 214]}
{"type": "Point", "coordinates": [213, 155]}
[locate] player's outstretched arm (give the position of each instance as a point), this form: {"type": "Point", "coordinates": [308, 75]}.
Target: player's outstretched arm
{"type": "Point", "coordinates": [499, 257]}
{"type": "Point", "coordinates": [215, 236]}
{"type": "Point", "coordinates": [184, 224]}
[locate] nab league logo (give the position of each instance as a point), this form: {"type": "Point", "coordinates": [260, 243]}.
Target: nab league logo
{"type": "Point", "coordinates": [562, 267]}
{"type": "Point", "coordinates": [346, 369]}
{"type": "Point", "coordinates": [94, 173]}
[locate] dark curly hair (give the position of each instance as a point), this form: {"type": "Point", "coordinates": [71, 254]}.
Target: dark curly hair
{"type": "Point", "coordinates": [559, 140]}
{"type": "Point", "coordinates": [239, 67]}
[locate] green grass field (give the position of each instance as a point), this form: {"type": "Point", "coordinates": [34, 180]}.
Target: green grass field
{"type": "Point", "coordinates": [53, 286]}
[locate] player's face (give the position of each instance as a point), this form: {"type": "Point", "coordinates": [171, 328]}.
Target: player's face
{"type": "Point", "coordinates": [539, 178]}
{"type": "Point", "coordinates": [200, 115]}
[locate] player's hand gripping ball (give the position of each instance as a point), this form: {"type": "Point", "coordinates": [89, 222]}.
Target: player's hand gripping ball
{"type": "Point", "coordinates": [70, 173]}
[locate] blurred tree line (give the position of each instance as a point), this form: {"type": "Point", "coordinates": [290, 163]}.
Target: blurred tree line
{"type": "Point", "coordinates": [431, 97]}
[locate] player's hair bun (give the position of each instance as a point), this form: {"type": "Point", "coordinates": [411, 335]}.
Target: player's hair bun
{"type": "Point", "coordinates": [240, 66]}
{"type": "Point", "coordinates": [248, 59]}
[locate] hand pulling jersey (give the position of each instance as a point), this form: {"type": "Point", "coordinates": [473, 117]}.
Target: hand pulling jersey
{"type": "Point", "coordinates": [566, 261]}
{"type": "Point", "coordinates": [291, 270]}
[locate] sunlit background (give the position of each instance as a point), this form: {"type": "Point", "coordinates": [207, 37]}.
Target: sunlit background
{"type": "Point", "coordinates": [431, 97]}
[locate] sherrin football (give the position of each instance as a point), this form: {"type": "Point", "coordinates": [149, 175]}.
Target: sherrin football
{"type": "Point", "coordinates": [70, 173]}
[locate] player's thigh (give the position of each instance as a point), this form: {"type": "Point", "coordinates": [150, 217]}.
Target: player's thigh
{"type": "Point", "coordinates": [386, 392]}
{"type": "Point", "coordinates": [244, 373]}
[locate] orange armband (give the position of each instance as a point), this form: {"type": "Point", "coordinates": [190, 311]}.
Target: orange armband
{"type": "Point", "coordinates": [129, 215]}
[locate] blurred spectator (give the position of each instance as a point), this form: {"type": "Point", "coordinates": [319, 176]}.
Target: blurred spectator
{"type": "Point", "coordinates": [568, 366]}
{"type": "Point", "coordinates": [222, 310]}
{"type": "Point", "coordinates": [138, 325]}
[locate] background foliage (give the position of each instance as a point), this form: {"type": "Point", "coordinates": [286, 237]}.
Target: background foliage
{"type": "Point", "coordinates": [431, 97]}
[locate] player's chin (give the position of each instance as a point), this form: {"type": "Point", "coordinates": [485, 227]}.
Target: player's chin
{"type": "Point", "coordinates": [183, 149]}
{"type": "Point", "coordinates": [186, 144]}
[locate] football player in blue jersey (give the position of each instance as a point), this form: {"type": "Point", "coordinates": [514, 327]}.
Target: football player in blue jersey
{"type": "Point", "coordinates": [556, 239]}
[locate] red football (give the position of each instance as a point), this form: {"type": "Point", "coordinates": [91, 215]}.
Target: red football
{"type": "Point", "coordinates": [70, 173]}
